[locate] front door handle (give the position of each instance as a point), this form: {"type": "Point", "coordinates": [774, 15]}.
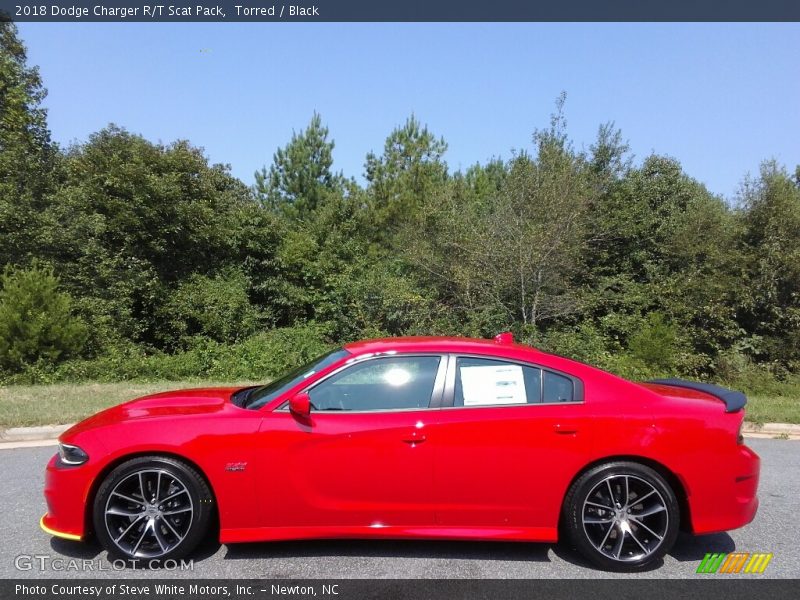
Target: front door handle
{"type": "Point", "coordinates": [415, 438]}
{"type": "Point", "coordinates": [565, 429]}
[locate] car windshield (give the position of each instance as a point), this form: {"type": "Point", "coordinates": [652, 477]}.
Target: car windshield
{"type": "Point", "coordinates": [260, 396]}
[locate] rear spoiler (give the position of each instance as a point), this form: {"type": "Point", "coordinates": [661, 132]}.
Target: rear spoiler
{"type": "Point", "coordinates": [733, 400]}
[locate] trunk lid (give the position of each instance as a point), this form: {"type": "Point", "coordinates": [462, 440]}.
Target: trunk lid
{"type": "Point", "coordinates": [681, 388]}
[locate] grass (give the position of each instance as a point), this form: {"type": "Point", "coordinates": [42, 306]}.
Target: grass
{"type": "Point", "coordinates": [62, 403]}
{"type": "Point", "coordinates": [773, 409]}
{"type": "Point", "coordinates": [55, 404]}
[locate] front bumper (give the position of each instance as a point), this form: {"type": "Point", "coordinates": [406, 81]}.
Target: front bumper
{"type": "Point", "coordinates": [66, 490]}
{"type": "Point", "coordinates": [43, 523]}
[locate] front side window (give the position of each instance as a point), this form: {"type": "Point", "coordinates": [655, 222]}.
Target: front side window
{"type": "Point", "coordinates": [391, 383]}
{"type": "Point", "coordinates": [260, 396]}
{"type": "Point", "coordinates": [489, 382]}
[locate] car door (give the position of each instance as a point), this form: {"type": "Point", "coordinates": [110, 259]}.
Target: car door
{"type": "Point", "coordinates": [362, 457]}
{"type": "Point", "coordinates": [508, 441]}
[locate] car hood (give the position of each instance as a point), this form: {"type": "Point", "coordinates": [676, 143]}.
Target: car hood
{"type": "Point", "coordinates": [176, 403]}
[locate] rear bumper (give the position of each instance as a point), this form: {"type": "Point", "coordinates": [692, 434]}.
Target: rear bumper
{"type": "Point", "coordinates": [727, 498]}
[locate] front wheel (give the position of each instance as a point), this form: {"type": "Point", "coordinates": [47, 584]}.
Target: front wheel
{"type": "Point", "coordinates": [622, 516]}
{"type": "Point", "coordinates": [152, 508]}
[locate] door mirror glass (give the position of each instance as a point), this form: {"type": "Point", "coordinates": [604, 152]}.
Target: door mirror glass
{"type": "Point", "coordinates": [300, 404]}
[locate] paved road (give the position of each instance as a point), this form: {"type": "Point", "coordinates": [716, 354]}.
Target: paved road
{"type": "Point", "coordinates": [775, 529]}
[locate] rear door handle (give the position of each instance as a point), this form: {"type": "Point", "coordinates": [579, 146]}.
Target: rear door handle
{"type": "Point", "coordinates": [565, 429]}
{"type": "Point", "coordinates": [415, 438]}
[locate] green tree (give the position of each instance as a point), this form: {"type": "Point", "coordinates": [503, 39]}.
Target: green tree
{"type": "Point", "coordinates": [509, 258]}
{"type": "Point", "coordinates": [136, 219]}
{"type": "Point", "coordinates": [410, 170]}
{"type": "Point", "coordinates": [27, 155]}
{"type": "Point", "coordinates": [771, 217]}
{"type": "Point", "coordinates": [300, 177]}
{"type": "Point", "coordinates": [37, 326]}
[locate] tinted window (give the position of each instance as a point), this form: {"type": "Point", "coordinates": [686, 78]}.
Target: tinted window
{"type": "Point", "coordinates": [392, 383]}
{"type": "Point", "coordinates": [486, 382]}
{"type": "Point", "coordinates": [260, 396]}
{"type": "Point", "coordinates": [557, 388]}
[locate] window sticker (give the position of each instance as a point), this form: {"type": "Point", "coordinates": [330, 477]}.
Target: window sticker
{"type": "Point", "coordinates": [493, 385]}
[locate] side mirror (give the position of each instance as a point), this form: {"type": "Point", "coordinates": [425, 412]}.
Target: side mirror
{"type": "Point", "coordinates": [300, 405]}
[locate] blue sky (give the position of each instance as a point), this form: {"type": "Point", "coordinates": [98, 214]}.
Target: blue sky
{"type": "Point", "coordinates": [719, 97]}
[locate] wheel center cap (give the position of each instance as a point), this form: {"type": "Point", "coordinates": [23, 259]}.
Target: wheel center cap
{"type": "Point", "coordinates": [152, 511]}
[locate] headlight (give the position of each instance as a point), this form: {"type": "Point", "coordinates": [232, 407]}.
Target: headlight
{"type": "Point", "coordinates": [71, 455]}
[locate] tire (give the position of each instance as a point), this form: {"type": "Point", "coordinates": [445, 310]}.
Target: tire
{"type": "Point", "coordinates": [630, 534]}
{"type": "Point", "coordinates": [131, 526]}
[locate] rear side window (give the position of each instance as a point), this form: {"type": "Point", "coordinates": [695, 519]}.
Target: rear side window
{"type": "Point", "coordinates": [489, 382]}
{"type": "Point", "coordinates": [557, 388]}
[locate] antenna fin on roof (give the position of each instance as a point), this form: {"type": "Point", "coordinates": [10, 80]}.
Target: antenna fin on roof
{"type": "Point", "coordinates": [504, 338]}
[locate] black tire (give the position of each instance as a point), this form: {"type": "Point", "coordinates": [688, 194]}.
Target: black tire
{"type": "Point", "coordinates": [606, 524]}
{"type": "Point", "coordinates": [170, 528]}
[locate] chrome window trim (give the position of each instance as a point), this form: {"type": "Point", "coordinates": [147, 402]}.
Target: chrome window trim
{"type": "Point", "coordinates": [578, 388]}
{"type": "Point", "coordinates": [434, 403]}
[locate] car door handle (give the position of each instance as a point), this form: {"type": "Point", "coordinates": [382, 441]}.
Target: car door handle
{"type": "Point", "coordinates": [415, 438]}
{"type": "Point", "coordinates": [565, 429]}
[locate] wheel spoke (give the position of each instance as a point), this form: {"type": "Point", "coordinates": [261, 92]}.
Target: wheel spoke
{"type": "Point", "coordinates": [605, 538]}
{"type": "Point", "coordinates": [122, 535]}
{"type": "Point", "coordinates": [641, 523]}
{"type": "Point", "coordinates": [176, 511]}
{"type": "Point", "coordinates": [177, 535]}
{"type": "Point", "coordinates": [123, 513]}
{"type": "Point", "coordinates": [128, 498]}
{"type": "Point", "coordinates": [162, 543]}
{"type": "Point", "coordinates": [635, 539]}
{"type": "Point", "coordinates": [168, 498]}
{"type": "Point", "coordinates": [640, 500]}
{"type": "Point", "coordinates": [611, 492]}
{"type": "Point", "coordinates": [617, 550]}
{"type": "Point", "coordinates": [158, 486]}
{"type": "Point", "coordinates": [141, 537]}
{"type": "Point", "coordinates": [650, 511]}
{"type": "Point", "coordinates": [627, 492]}
{"type": "Point", "coordinates": [597, 520]}
{"type": "Point", "coordinates": [599, 505]}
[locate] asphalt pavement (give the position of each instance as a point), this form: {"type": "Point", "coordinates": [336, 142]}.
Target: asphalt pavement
{"type": "Point", "coordinates": [27, 552]}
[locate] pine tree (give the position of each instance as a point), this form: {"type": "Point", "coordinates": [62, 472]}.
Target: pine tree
{"type": "Point", "coordinates": [300, 176]}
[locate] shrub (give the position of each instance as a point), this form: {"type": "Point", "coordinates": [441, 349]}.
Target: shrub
{"type": "Point", "coordinates": [217, 308]}
{"type": "Point", "coordinates": [259, 357]}
{"type": "Point", "coordinates": [655, 343]}
{"type": "Point", "coordinates": [37, 327]}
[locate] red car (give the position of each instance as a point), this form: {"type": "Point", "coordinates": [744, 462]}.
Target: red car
{"type": "Point", "coordinates": [412, 438]}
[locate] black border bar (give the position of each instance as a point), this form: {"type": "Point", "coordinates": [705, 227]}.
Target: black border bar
{"type": "Point", "coordinates": [706, 586]}
{"type": "Point", "coordinates": [400, 10]}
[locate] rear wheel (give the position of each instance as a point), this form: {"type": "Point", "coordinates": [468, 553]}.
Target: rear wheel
{"type": "Point", "coordinates": [152, 508]}
{"type": "Point", "coordinates": [622, 516]}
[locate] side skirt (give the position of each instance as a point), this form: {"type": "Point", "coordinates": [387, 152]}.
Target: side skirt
{"type": "Point", "coordinates": [509, 534]}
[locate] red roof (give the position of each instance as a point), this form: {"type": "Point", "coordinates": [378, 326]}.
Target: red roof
{"type": "Point", "coordinates": [427, 344]}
